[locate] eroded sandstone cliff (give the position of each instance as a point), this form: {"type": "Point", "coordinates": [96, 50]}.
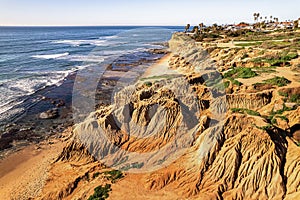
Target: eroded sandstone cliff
{"type": "Point", "coordinates": [182, 136]}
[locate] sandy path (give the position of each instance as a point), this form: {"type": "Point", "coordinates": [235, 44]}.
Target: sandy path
{"type": "Point", "coordinates": [280, 71]}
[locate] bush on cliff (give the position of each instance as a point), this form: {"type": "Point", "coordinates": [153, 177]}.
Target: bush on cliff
{"type": "Point", "coordinates": [240, 72]}
{"type": "Point", "coordinates": [101, 193]}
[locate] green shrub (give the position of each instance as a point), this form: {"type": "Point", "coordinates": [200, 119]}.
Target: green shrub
{"type": "Point", "coordinates": [273, 121]}
{"type": "Point", "coordinates": [148, 84]}
{"type": "Point", "coordinates": [244, 110]}
{"type": "Point", "coordinates": [283, 94]}
{"type": "Point", "coordinates": [265, 69]}
{"type": "Point", "coordinates": [279, 81]}
{"type": "Point", "coordinates": [234, 82]}
{"type": "Point", "coordinates": [101, 193]}
{"type": "Point", "coordinates": [283, 118]}
{"type": "Point", "coordinates": [295, 98]}
{"type": "Point", "coordinates": [289, 56]}
{"type": "Point", "coordinates": [96, 174]}
{"type": "Point", "coordinates": [276, 60]}
{"type": "Point", "coordinates": [226, 84]}
{"type": "Point", "coordinates": [281, 111]}
{"type": "Point", "coordinates": [114, 175]}
{"type": "Point", "coordinates": [240, 72]}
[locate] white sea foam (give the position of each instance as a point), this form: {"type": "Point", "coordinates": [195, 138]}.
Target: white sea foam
{"type": "Point", "coordinates": [12, 92]}
{"type": "Point", "coordinates": [51, 56]}
{"type": "Point", "coordinates": [81, 42]}
{"type": "Point", "coordinates": [102, 41]}
{"type": "Point", "coordinates": [87, 58]}
{"type": "Point", "coordinates": [110, 37]}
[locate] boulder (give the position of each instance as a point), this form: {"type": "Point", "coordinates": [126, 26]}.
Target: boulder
{"type": "Point", "coordinates": [50, 114]}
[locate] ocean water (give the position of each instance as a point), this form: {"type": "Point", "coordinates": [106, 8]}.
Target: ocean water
{"type": "Point", "coordinates": [33, 58]}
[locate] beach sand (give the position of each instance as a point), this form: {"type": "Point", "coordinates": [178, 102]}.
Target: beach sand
{"type": "Point", "coordinates": [161, 67]}
{"type": "Point", "coordinates": [23, 173]}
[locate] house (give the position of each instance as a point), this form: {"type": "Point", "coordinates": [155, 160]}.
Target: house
{"type": "Point", "coordinates": [286, 24]}
{"type": "Point", "coordinates": [243, 25]}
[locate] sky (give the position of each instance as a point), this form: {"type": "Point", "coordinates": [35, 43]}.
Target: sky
{"type": "Point", "coordinates": [140, 12]}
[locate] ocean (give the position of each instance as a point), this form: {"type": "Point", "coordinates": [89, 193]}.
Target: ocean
{"type": "Point", "coordinates": [34, 58]}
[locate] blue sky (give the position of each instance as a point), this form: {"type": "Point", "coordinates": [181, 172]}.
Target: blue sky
{"type": "Point", "coordinates": [141, 12]}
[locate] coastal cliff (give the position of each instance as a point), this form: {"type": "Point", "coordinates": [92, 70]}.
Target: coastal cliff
{"type": "Point", "coordinates": [187, 134]}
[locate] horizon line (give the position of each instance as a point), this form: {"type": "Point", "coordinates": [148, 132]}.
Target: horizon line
{"type": "Point", "coordinates": [110, 25]}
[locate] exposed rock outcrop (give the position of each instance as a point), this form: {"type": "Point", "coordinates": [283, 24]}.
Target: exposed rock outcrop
{"type": "Point", "coordinates": [178, 134]}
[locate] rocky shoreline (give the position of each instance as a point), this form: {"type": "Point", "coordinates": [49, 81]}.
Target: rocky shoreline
{"type": "Point", "coordinates": [51, 113]}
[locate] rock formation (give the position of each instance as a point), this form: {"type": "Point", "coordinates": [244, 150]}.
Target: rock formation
{"type": "Point", "coordinates": [180, 136]}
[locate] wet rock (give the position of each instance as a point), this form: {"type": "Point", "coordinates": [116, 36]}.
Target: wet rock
{"type": "Point", "coordinates": [159, 51]}
{"type": "Point", "coordinates": [50, 114]}
{"type": "Point", "coordinates": [60, 103]}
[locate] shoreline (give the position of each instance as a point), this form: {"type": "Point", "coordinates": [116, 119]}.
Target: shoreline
{"type": "Point", "coordinates": [28, 128]}
{"type": "Point", "coordinates": [22, 161]}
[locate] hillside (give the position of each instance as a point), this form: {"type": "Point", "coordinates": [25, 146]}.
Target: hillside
{"type": "Point", "coordinates": [208, 122]}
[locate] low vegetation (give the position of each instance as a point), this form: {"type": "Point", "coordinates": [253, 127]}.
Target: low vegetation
{"type": "Point", "coordinates": [247, 44]}
{"type": "Point", "coordinates": [276, 60]}
{"type": "Point", "coordinates": [276, 81]}
{"type": "Point", "coordinates": [234, 82]}
{"type": "Point", "coordinates": [292, 98]}
{"type": "Point", "coordinates": [245, 111]}
{"type": "Point", "coordinates": [279, 81]}
{"type": "Point", "coordinates": [101, 192]}
{"type": "Point", "coordinates": [96, 174]}
{"type": "Point", "coordinates": [165, 76]}
{"type": "Point", "coordinates": [114, 175]}
{"type": "Point", "coordinates": [281, 111]}
{"type": "Point", "coordinates": [148, 84]}
{"type": "Point", "coordinates": [261, 70]}
{"type": "Point", "coordinates": [240, 72]}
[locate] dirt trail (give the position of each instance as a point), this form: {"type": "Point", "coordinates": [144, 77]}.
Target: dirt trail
{"type": "Point", "coordinates": [280, 71]}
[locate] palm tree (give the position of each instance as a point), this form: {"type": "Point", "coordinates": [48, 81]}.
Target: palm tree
{"type": "Point", "coordinates": [195, 29]}
{"type": "Point", "coordinates": [296, 24]}
{"type": "Point", "coordinates": [255, 17]}
{"type": "Point", "coordinates": [215, 27]}
{"type": "Point", "coordinates": [201, 25]}
{"type": "Point", "coordinates": [187, 27]}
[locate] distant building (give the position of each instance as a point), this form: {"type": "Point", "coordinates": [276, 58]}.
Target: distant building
{"type": "Point", "coordinates": [286, 24]}
{"type": "Point", "coordinates": [242, 25]}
